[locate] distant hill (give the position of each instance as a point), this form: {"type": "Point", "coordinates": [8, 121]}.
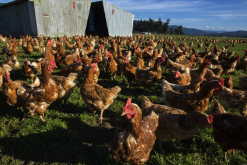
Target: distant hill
{"type": "Point", "coordinates": [222, 33]}
{"type": "Point", "coordinates": [190, 31]}
{"type": "Point", "coordinates": [239, 33]}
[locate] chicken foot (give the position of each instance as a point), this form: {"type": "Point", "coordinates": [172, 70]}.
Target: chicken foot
{"type": "Point", "coordinates": [25, 115]}
{"type": "Point", "coordinates": [101, 117]}
{"type": "Point", "coordinates": [43, 121]}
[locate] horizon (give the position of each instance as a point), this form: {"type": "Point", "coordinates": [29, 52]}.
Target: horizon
{"type": "Point", "coordinates": [222, 15]}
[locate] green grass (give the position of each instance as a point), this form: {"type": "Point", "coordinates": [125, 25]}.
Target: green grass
{"type": "Point", "coordinates": [72, 135]}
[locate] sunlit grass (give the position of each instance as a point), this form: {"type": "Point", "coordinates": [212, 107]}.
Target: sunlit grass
{"type": "Point", "coordinates": [72, 135]}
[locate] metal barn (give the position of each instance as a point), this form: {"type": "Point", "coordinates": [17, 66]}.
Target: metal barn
{"type": "Point", "coordinates": [108, 20]}
{"type": "Point", "coordinates": [44, 17]}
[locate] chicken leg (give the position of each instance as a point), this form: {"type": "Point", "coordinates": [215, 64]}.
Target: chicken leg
{"type": "Point", "coordinates": [43, 121]}
{"type": "Point", "coordinates": [25, 115]}
{"type": "Point", "coordinates": [225, 156]}
{"type": "Point", "coordinates": [160, 148]}
{"type": "Point", "coordinates": [101, 117]}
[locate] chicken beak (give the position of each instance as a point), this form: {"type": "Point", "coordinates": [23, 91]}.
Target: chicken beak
{"type": "Point", "coordinates": [123, 113]}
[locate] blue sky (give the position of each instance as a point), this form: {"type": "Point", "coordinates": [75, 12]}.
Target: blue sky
{"type": "Point", "coordinates": [229, 15]}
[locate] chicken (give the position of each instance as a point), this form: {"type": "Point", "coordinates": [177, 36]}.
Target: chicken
{"type": "Point", "coordinates": [191, 101]}
{"type": "Point", "coordinates": [120, 62]}
{"type": "Point", "coordinates": [134, 139]}
{"type": "Point", "coordinates": [200, 44]}
{"type": "Point", "coordinates": [200, 72]}
{"type": "Point", "coordinates": [8, 50]}
{"type": "Point", "coordinates": [243, 82]}
{"type": "Point", "coordinates": [12, 62]}
{"type": "Point", "coordinates": [61, 51]}
{"type": "Point", "coordinates": [138, 62]}
{"type": "Point", "coordinates": [97, 70]}
{"type": "Point", "coordinates": [29, 49]}
{"type": "Point", "coordinates": [37, 65]}
{"type": "Point", "coordinates": [209, 75]}
{"type": "Point", "coordinates": [5, 68]}
{"type": "Point", "coordinates": [151, 62]}
{"type": "Point", "coordinates": [242, 64]}
{"type": "Point", "coordinates": [229, 65]}
{"type": "Point", "coordinates": [229, 130]}
{"type": "Point", "coordinates": [41, 97]}
{"type": "Point", "coordinates": [70, 59]}
{"type": "Point", "coordinates": [216, 69]}
{"type": "Point", "coordinates": [112, 66]}
{"type": "Point", "coordinates": [48, 54]}
{"type": "Point", "coordinates": [186, 62]}
{"type": "Point", "coordinates": [232, 98]}
{"type": "Point", "coordinates": [14, 51]}
{"type": "Point", "coordinates": [147, 77]}
{"type": "Point", "coordinates": [193, 87]}
{"type": "Point", "coordinates": [228, 82]}
{"type": "Point", "coordinates": [3, 39]}
{"type": "Point", "coordinates": [148, 54]}
{"type": "Point", "coordinates": [16, 92]}
{"type": "Point", "coordinates": [73, 68]}
{"type": "Point", "coordinates": [130, 72]}
{"type": "Point", "coordinates": [95, 96]}
{"type": "Point", "coordinates": [173, 67]}
{"type": "Point", "coordinates": [181, 79]}
{"type": "Point", "coordinates": [208, 44]}
{"type": "Point", "coordinates": [65, 87]}
{"type": "Point", "coordinates": [28, 70]}
{"type": "Point", "coordinates": [69, 46]}
{"type": "Point", "coordinates": [174, 123]}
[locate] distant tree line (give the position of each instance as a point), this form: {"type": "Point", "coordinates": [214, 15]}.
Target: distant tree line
{"type": "Point", "coordinates": [156, 27]}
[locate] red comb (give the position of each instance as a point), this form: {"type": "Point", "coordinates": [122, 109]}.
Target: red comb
{"type": "Point", "coordinates": [203, 79]}
{"type": "Point", "coordinates": [230, 78]}
{"type": "Point", "coordinates": [128, 103]}
{"type": "Point", "coordinates": [52, 62]}
{"type": "Point", "coordinates": [6, 76]}
{"type": "Point", "coordinates": [211, 118]}
{"type": "Point", "coordinates": [221, 81]}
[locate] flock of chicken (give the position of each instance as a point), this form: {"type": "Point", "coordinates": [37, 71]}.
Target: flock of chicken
{"type": "Point", "coordinates": [186, 99]}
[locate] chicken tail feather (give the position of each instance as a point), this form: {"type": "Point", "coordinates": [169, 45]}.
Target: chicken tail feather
{"type": "Point", "coordinates": [145, 102]}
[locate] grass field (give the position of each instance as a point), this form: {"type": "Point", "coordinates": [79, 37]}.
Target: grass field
{"type": "Point", "coordinates": [72, 135]}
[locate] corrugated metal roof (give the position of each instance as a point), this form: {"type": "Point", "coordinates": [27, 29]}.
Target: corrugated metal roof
{"type": "Point", "coordinates": [113, 5]}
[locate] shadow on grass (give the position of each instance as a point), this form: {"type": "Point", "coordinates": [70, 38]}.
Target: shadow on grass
{"type": "Point", "coordinates": [78, 143]}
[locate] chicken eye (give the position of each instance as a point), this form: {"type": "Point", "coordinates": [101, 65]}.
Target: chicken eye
{"type": "Point", "coordinates": [131, 108]}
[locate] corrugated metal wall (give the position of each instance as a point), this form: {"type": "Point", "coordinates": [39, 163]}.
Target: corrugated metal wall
{"type": "Point", "coordinates": [119, 22]}
{"type": "Point", "coordinates": [18, 19]}
{"type": "Point", "coordinates": [59, 17]}
{"type": "Point", "coordinates": [45, 17]}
